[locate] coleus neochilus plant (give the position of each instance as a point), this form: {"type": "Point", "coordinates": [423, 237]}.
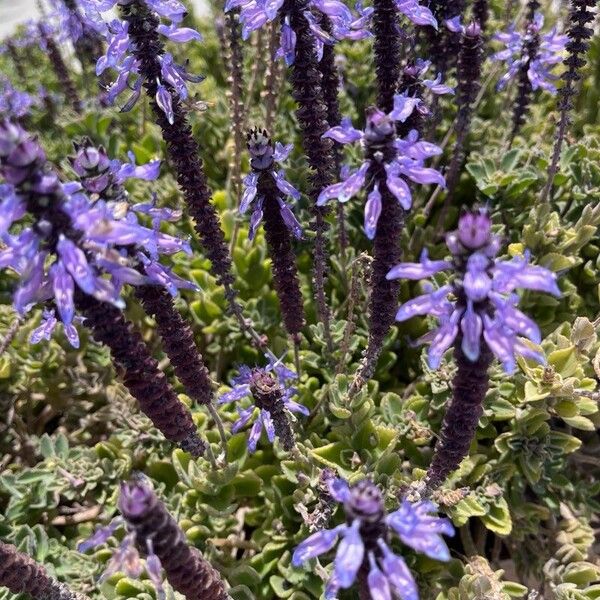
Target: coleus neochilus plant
{"type": "Point", "coordinates": [136, 51]}
{"type": "Point", "coordinates": [61, 260]}
{"type": "Point", "coordinates": [390, 163]}
{"type": "Point", "coordinates": [478, 318]}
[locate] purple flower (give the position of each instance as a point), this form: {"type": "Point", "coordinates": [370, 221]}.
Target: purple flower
{"type": "Point", "coordinates": [119, 55]}
{"type": "Point", "coordinates": [263, 158]}
{"type": "Point", "coordinates": [271, 394]}
{"type": "Point", "coordinates": [402, 160]}
{"type": "Point", "coordinates": [256, 13]}
{"type": "Point", "coordinates": [417, 13]}
{"type": "Point", "coordinates": [516, 54]}
{"type": "Point", "coordinates": [75, 242]}
{"type": "Point", "coordinates": [478, 303]}
{"type": "Point", "coordinates": [362, 541]}
{"type": "Point", "coordinates": [13, 103]}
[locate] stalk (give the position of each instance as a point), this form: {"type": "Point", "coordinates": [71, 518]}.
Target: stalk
{"type": "Point", "coordinates": [470, 62]}
{"type": "Point", "coordinates": [331, 82]}
{"type": "Point", "coordinates": [17, 61]}
{"type": "Point", "coordinates": [141, 373]}
{"type": "Point", "coordinates": [524, 86]}
{"type": "Point", "coordinates": [61, 71]}
{"type": "Point", "coordinates": [579, 35]}
{"type": "Point", "coordinates": [307, 90]}
{"type": "Point", "coordinates": [184, 154]}
{"type": "Point", "coordinates": [386, 245]}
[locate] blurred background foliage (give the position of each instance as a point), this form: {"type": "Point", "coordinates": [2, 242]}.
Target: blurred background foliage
{"type": "Point", "coordinates": [526, 501]}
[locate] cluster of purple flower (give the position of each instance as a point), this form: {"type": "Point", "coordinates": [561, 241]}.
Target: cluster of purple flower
{"type": "Point", "coordinates": [73, 241]}
{"type": "Point", "coordinates": [13, 103]}
{"type": "Point", "coordinates": [479, 301]}
{"type": "Point", "coordinates": [402, 159]}
{"type": "Point", "coordinates": [548, 56]}
{"type": "Point", "coordinates": [344, 25]}
{"type": "Point", "coordinates": [364, 540]}
{"type": "Point", "coordinates": [263, 156]}
{"type": "Point", "coordinates": [269, 387]}
{"type": "Point", "coordinates": [173, 77]}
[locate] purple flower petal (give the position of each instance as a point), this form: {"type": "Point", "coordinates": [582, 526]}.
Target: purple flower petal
{"type": "Point", "coordinates": [267, 422]}
{"type": "Point", "coordinates": [344, 133]}
{"type": "Point", "coordinates": [339, 489]}
{"type": "Point", "coordinates": [254, 436]}
{"type": "Point", "coordinates": [179, 35]}
{"type": "Point", "coordinates": [421, 270]}
{"type": "Point", "coordinates": [398, 187]}
{"type": "Point", "coordinates": [45, 329]}
{"type": "Point", "coordinates": [518, 321]}
{"type": "Point", "coordinates": [285, 186]}
{"type": "Point", "coordinates": [170, 9]}
{"type": "Point", "coordinates": [372, 212]}
{"type": "Point", "coordinates": [165, 102]}
{"type": "Point", "coordinates": [419, 15]}
{"type": "Point", "coordinates": [235, 394]}
{"type": "Point", "coordinates": [471, 327]}
{"type": "Point", "coordinates": [76, 263]}
{"type": "Point", "coordinates": [500, 342]}
{"type": "Point", "coordinates": [349, 556]}
{"type": "Point", "coordinates": [245, 416]}
{"type": "Point", "coordinates": [287, 48]}
{"type": "Point", "coordinates": [64, 288]}
{"type": "Point", "coordinates": [454, 24]}
{"type": "Point", "coordinates": [256, 218]}
{"type": "Point", "coordinates": [315, 545]}
{"type": "Point", "coordinates": [282, 152]}
{"type": "Point", "coordinates": [398, 574]}
{"type": "Point", "coordinates": [289, 219]}
{"type": "Point", "coordinates": [422, 305]}
{"type": "Point", "coordinates": [379, 586]}
{"type": "Point", "coordinates": [444, 338]}
{"type": "Point", "coordinates": [404, 106]}
{"type": "Point", "coordinates": [296, 407]}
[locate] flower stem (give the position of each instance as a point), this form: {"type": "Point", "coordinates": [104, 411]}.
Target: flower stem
{"type": "Point", "coordinates": [469, 388]}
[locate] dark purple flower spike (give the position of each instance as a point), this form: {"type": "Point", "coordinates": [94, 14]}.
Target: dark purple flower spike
{"type": "Point", "coordinates": [311, 114]}
{"type": "Point", "coordinates": [530, 58]}
{"type": "Point", "coordinates": [154, 534]}
{"type": "Point", "coordinates": [477, 316]}
{"type": "Point", "coordinates": [104, 177]}
{"type": "Point", "coordinates": [60, 68]}
{"type": "Point", "coordinates": [363, 553]}
{"type": "Point", "coordinates": [470, 62]}
{"type": "Point", "coordinates": [82, 240]}
{"type": "Point", "coordinates": [271, 394]}
{"type": "Point", "coordinates": [266, 194]}
{"type": "Point", "coordinates": [21, 574]}
{"type": "Point", "coordinates": [579, 34]}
